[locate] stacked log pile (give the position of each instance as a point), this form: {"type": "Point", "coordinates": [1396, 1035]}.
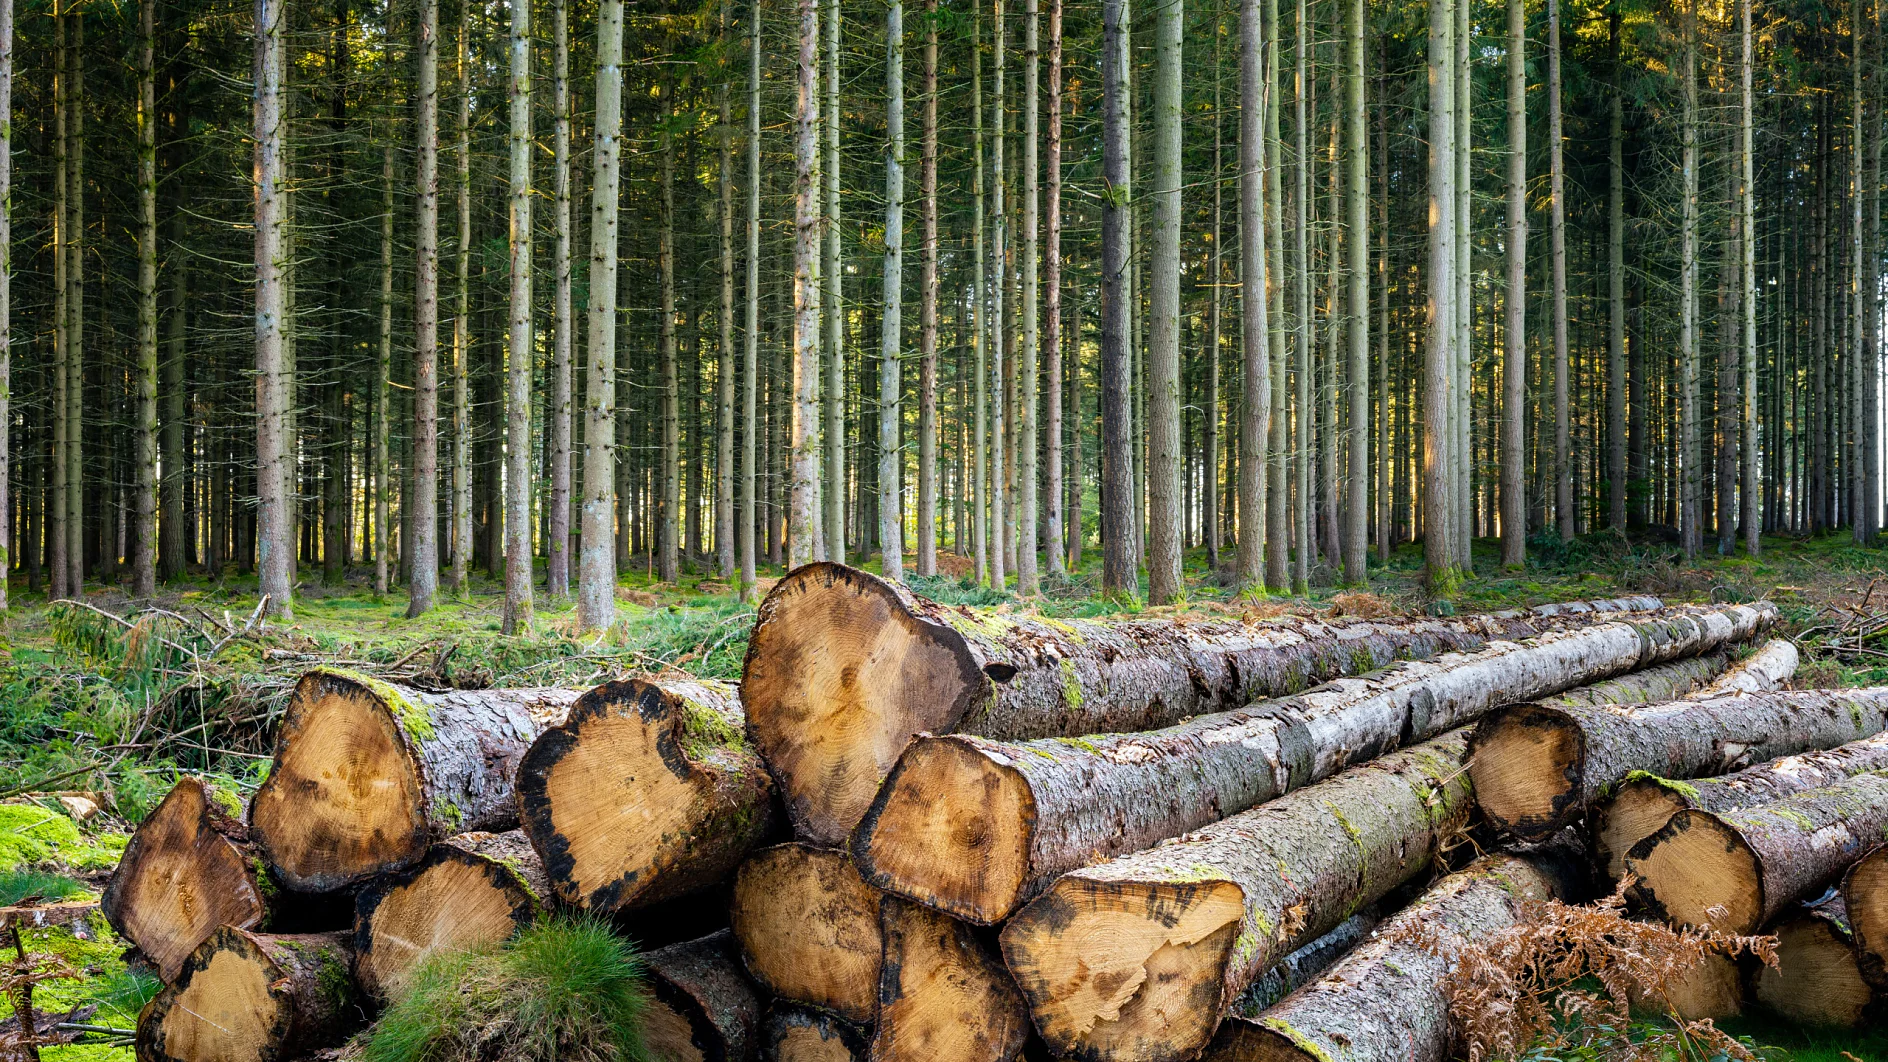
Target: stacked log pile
{"type": "Point", "coordinates": [946, 835]}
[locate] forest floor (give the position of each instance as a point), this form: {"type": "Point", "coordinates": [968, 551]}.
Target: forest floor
{"type": "Point", "coordinates": [91, 704]}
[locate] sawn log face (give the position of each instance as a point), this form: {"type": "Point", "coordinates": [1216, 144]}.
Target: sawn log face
{"type": "Point", "coordinates": [470, 890]}
{"type": "Point", "coordinates": [253, 997]}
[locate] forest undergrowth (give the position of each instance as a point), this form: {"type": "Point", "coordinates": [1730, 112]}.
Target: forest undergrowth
{"type": "Point", "coordinates": [111, 700]}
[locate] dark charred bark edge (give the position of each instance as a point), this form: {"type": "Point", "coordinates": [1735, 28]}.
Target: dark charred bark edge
{"type": "Point", "coordinates": [704, 981]}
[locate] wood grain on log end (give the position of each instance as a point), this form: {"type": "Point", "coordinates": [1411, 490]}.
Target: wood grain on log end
{"type": "Point", "coordinates": [1525, 763]}
{"type": "Point", "coordinates": [186, 871]}
{"type": "Point", "coordinates": [1865, 894]}
{"type": "Point", "coordinates": [951, 828]}
{"type": "Point", "coordinates": [943, 997]}
{"type": "Point", "coordinates": [808, 927]}
{"type": "Point", "coordinates": [1637, 809]}
{"type": "Point", "coordinates": [454, 898]}
{"type": "Point", "coordinates": [797, 1033]}
{"type": "Point", "coordinates": [647, 792]}
{"type": "Point", "coordinates": [1698, 871]}
{"type": "Point", "coordinates": [1817, 980]}
{"type": "Point", "coordinates": [246, 997]}
{"type": "Point", "coordinates": [1714, 989]}
{"type": "Point", "coordinates": [1149, 965]}
{"type": "Point", "coordinates": [839, 675]}
{"type": "Point", "coordinates": [702, 1006]}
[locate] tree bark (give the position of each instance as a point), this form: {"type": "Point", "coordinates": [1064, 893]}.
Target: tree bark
{"type": "Point", "coordinates": [596, 561]}
{"type": "Point", "coordinates": [62, 313]}
{"type": "Point", "coordinates": [832, 303]}
{"type": "Point", "coordinates": [1255, 408]}
{"type": "Point", "coordinates": [1054, 530]}
{"type": "Point", "coordinates": [803, 517]}
{"type": "Point", "coordinates": [383, 380]}
{"type": "Point", "coordinates": [1119, 575]}
{"type": "Point", "coordinates": [645, 793]}
{"type": "Point", "coordinates": [1865, 897]}
{"type": "Point", "coordinates": [724, 338]}
{"type": "Point", "coordinates": [1003, 550]}
{"type": "Point", "coordinates": [1440, 550]}
{"type": "Point", "coordinates": [1140, 957]}
{"type": "Point", "coordinates": [891, 519]}
{"type": "Point", "coordinates": [1747, 300]}
{"type": "Point", "coordinates": [1028, 496]}
{"type": "Point", "coordinates": [977, 827]}
{"type": "Point", "coordinates": [1738, 870]}
{"type": "Point", "coordinates": [1386, 1002]}
{"type": "Point", "coordinates": [1357, 323]}
{"type": "Point", "coordinates": [518, 553]}
{"type": "Point", "coordinates": [474, 889]}
{"type": "Point", "coordinates": [144, 507]}
{"type": "Point", "coordinates": [274, 545]}
{"type": "Point", "coordinates": [892, 665]}
{"type": "Point", "coordinates": [1307, 963]}
{"type": "Point", "coordinates": [1663, 683]}
{"type": "Point", "coordinates": [809, 929]}
{"type": "Point", "coordinates": [188, 869]}
{"type": "Point", "coordinates": [1536, 767]}
{"type": "Point", "coordinates": [798, 1033]}
{"type": "Point", "coordinates": [460, 554]}
{"type": "Point", "coordinates": [750, 352]}
{"type": "Point", "coordinates": [437, 764]}
{"type": "Point", "coordinates": [1557, 177]}
{"type": "Point", "coordinates": [1690, 509]}
{"type": "Point", "coordinates": [1164, 543]}
{"type": "Point", "coordinates": [669, 474]}
{"type": "Point", "coordinates": [557, 549]}
{"type": "Point", "coordinates": [703, 1008]}
{"type": "Point", "coordinates": [979, 434]}
{"type": "Point", "coordinates": [1514, 391]}
{"type": "Point", "coordinates": [942, 994]}
{"type": "Point", "coordinates": [253, 995]}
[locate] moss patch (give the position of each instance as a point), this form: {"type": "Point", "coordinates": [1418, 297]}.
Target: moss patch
{"type": "Point", "coordinates": [32, 835]}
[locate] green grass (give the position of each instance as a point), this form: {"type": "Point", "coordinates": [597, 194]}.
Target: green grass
{"type": "Point", "coordinates": [564, 990]}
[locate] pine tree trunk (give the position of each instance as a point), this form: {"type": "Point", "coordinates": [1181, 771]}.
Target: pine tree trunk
{"type": "Point", "coordinates": [176, 529]}
{"type": "Point", "coordinates": [1003, 549]}
{"type": "Point", "coordinates": [1440, 550]}
{"type": "Point", "coordinates": [668, 506]}
{"type": "Point", "coordinates": [724, 338]}
{"type": "Point", "coordinates": [75, 553]}
{"type": "Point", "coordinates": [557, 548]}
{"type": "Point", "coordinates": [751, 423]}
{"type": "Point", "coordinates": [1277, 488]}
{"type": "Point", "coordinates": [1514, 391]}
{"type": "Point", "coordinates": [1255, 405]}
{"type": "Point", "coordinates": [1747, 300]}
{"type": "Point", "coordinates": [470, 890]}
{"type": "Point", "coordinates": [803, 517]}
{"type": "Point", "coordinates": [421, 507]}
{"type": "Point", "coordinates": [596, 561]}
{"type": "Point", "coordinates": [1616, 293]}
{"type": "Point", "coordinates": [832, 303]}
{"type": "Point", "coordinates": [274, 543]}
{"type": "Point", "coordinates": [6, 297]}
{"type": "Point", "coordinates": [891, 520]}
{"type": "Point", "coordinates": [1164, 543]}
{"type": "Point", "coordinates": [1054, 478]}
{"type": "Point", "coordinates": [458, 575]}
{"type": "Point", "coordinates": [383, 370]}
{"type": "Point", "coordinates": [1690, 509]}
{"type": "Point", "coordinates": [62, 312]}
{"type": "Point", "coordinates": [1557, 183]}
{"type": "Point", "coordinates": [1119, 577]}
{"type": "Point", "coordinates": [1461, 384]}
{"type": "Point", "coordinates": [1357, 236]}
{"type": "Point", "coordinates": [144, 505]}
{"type": "Point", "coordinates": [518, 553]}
{"type": "Point", "coordinates": [980, 513]}
{"type": "Point", "coordinates": [1028, 496]}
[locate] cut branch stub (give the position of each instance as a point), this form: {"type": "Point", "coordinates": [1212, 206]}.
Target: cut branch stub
{"type": "Point", "coordinates": [188, 869]}
{"type": "Point", "coordinates": [647, 792]}
{"type": "Point", "coordinates": [703, 1008]}
{"type": "Point", "coordinates": [1738, 870]}
{"type": "Point", "coordinates": [976, 826]}
{"type": "Point", "coordinates": [808, 927]}
{"type": "Point", "coordinates": [942, 996]}
{"type": "Point", "coordinates": [1865, 896]}
{"type": "Point", "coordinates": [367, 773]}
{"type": "Point", "coordinates": [843, 669]}
{"type": "Point", "coordinates": [1136, 959]}
{"type": "Point", "coordinates": [253, 997]}
{"type": "Point", "coordinates": [1536, 768]}
{"type": "Point", "coordinates": [474, 889]}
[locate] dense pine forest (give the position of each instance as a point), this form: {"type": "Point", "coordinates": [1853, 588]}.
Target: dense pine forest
{"type": "Point", "coordinates": [560, 291]}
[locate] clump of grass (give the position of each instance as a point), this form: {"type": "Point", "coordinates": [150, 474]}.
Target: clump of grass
{"type": "Point", "coordinates": [19, 886]}
{"type": "Point", "coordinates": [567, 990]}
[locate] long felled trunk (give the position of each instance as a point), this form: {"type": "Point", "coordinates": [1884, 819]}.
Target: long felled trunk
{"type": "Point", "coordinates": [188, 869]}
{"type": "Point", "coordinates": [809, 929]}
{"type": "Point", "coordinates": [1386, 1002]}
{"type": "Point", "coordinates": [253, 996]}
{"type": "Point", "coordinates": [835, 643]}
{"type": "Point", "coordinates": [1817, 980]}
{"type": "Point", "coordinates": [1738, 870]}
{"type": "Point", "coordinates": [645, 793]}
{"type": "Point", "coordinates": [367, 773]}
{"type": "Point", "coordinates": [977, 827]}
{"type": "Point", "coordinates": [1538, 768]}
{"type": "Point", "coordinates": [943, 995]}
{"type": "Point", "coordinates": [703, 1007]}
{"type": "Point", "coordinates": [1865, 896]}
{"type": "Point", "coordinates": [1138, 958]}
{"type": "Point", "coordinates": [473, 889]}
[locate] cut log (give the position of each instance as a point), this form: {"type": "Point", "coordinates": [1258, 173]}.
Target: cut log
{"type": "Point", "coordinates": [1385, 1002]}
{"type": "Point", "coordinates": [647, 792]}
{"type": "Point", "coordinates": [1536, 768]}
{"type": "Point", "coordinates": [975, 827]}
{"type": "Point", "coordinates": [703, 1008]}
{"type": "Point", "coordinates": [943, 997]}
{"type": "Point", "coordinates": [1769, 668]}
{"type": "Point", "coordinates": [1137, 958]}
{"type": "Point", "coordinates": [1816, 980]}
{"type": "Point", "coordinates": [252, 997]}
{"type": "Point", "coordinates": [1739, 870]}
{"type": "Point", "coordinates": [367, 773]}
{"type": "Point", "coordinates": [1713, 989]}
{"type": "Point", "coordinates": [1307, 964]}
{"type": "Point", "coordinates": [474, 889]}
{"type": "Point", "coordinates": [1865, 897]}
{"type": "Point", "coordinates": [1644, 802]}
{"type": "Point", "coordinates": [844, 668]}
{"type": "Point", "coordinates": [808, 927]}
{"type": "Point", "coordinates": [188, 869]}
{"type": "Point", "coordinates": [799, 1033]}
{"type": "Point", "coordinates": [1666, 682]}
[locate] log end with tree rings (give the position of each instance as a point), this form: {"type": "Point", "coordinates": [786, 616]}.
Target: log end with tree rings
{"type": "Point", "coordinates": [797, 1033]}
{"type": "Point", "coordinates": [943, 997]}
{"type": "Point", "coordinates": [808, 927]}
{"type": "Point", "coordinates": [1713, 989]}
{"type": "Point", "coordinates": [702, 1008]}
{"type": "Point", "coordinates": [454, 898]}
{"type": "Point", "coordinates": [1525, 763]}
{"type": "Point", "coordinates": [1817, 980]}
{"type": "Point", "coordinates": [1637, 809]}
{"type": "Point", "coordinates": [187, 870]}
{"type": "Point", "coordinates": [951, 828]}
{"type": "Point", "coordinates": [250, 997]}
{"type": "Point", "coordinates": [1865, 894]}
{"type": "Point", "coordinates": [840, 674]}
{"type": "Point", "coordinates": [1697, 870]}
{"type": "Point", "coordinates": [648, 791]}
{"type": "Point", "coordinates": [344, 799]}
{"type": "Point", "coordinates": [1150, 965]}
